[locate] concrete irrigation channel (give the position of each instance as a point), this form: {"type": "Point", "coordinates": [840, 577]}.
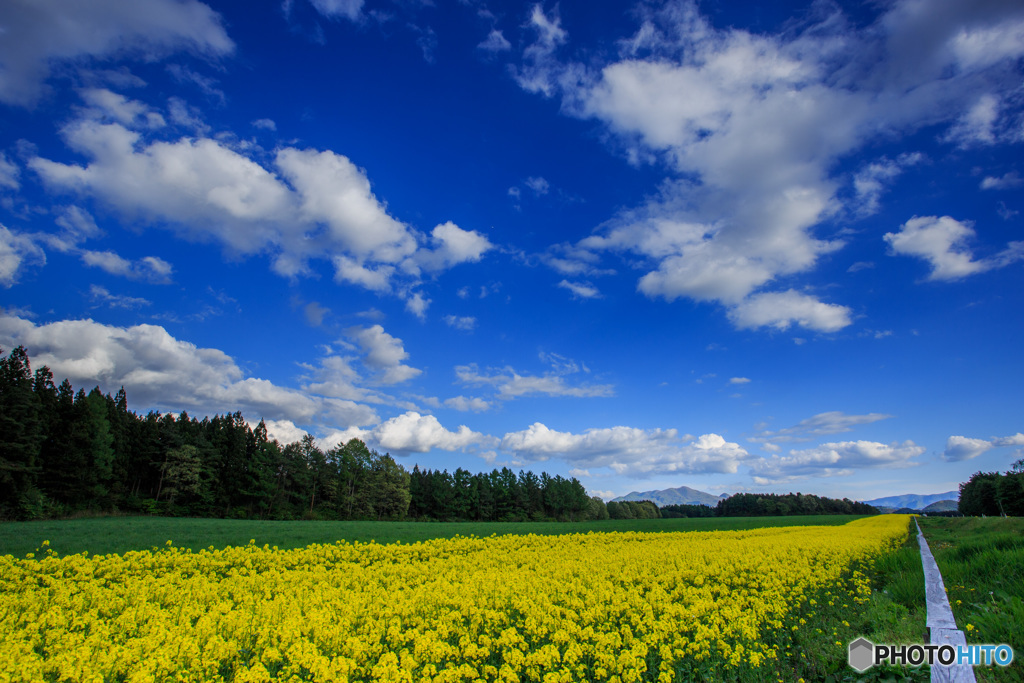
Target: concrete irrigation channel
{"type": "Point", "coordinates": [941, 625]}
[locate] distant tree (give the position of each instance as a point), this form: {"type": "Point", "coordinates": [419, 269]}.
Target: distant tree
{"type": "Point", "coordinates": [596, 509]}
{"type": "Point", "coordinates": [22, 432]}
{"type": "Point", "coordinates": [978, 495]}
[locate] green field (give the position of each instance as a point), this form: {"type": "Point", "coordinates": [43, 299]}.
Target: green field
{"type": "Point", "coordinates": [982, 565]}
{"type": "Point", "coordinates": [102, 535]}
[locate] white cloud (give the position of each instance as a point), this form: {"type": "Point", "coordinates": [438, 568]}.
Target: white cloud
{"type": "Point", "coordinates": [495, 42]}
{"type": "Point", "coordinates": [754, 125]}
{"type": "Point", "coordinates": [375, 279]}
{"type": "Point", "coordinates": [149, 268]}
{"type": "Point", "coordinates": [943, 243]}
{"type": "Point", "coordinates": [780, 310]}
{"type": "Point", "coordinates": [466, 323]}
{"type": "Point", "coordinates": [417, 304]}
{"type": "Point", "coordinates": [510, 384]}
{"type": "Point", "coordinates": [415, 433]}
{"type": "Point", "coordinates": [538, 73]}
{"type": "Point", "coordinates": [315, 313]}
{"type": "Point", "coordinates": [40, 35]}
{"type": "Point", "coordinates": [348, 9]}
{"type": "Point", "coordinates": [282, 431]}
{"type": "Point", "coordinates": [831, 422]}
{"type": "Point", "coordinates": [335, 192]}
{"type": "Point", "coordinates": [739, 380]}
{"type": "Point", "coordinates": [1015, 440]}
{"type": "Point", "coordinates": [581, 290]}
{"type": "Point", "coordinates": [157, 370]}
{"type": "Point", "coordinates": [383, 354]}
{"type": "Point", "coordinates": [310, 205]}
{"type": "Point", "coordinates": [1005, 182]}
{"type": "Point", "coordinates": [963, 448]}
{"type": "Point", "coordinates": [464, 404]}
{"type": "Point", "coordinates": [16, 252]}
{"type": "Point", "coordinates": [102, 295]}
{"type": "Point", "coordinates": [540, 186]}
{"type": "Point", "coordinates": [452, 246]}
{"type": "Point", "coordinates": [104, 103]}
{"type": "Point", "coordinates": [627, 450]}
{"type": "Point", "coordinates": [265, 124]}
{"type": "Point", "coordinates": [870, 182]}
{"type": "Point", "coordinates": [832, 459]}
{"type": "Point", "coordinates": [977, 125]}
{"type": "Point", "coordinates": [960, 448]}
{"type": "Point", "coordinates": [9, 173]}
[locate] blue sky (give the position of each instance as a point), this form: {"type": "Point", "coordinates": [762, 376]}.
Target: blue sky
{"type": "Point", "coordinates": [725, 245]}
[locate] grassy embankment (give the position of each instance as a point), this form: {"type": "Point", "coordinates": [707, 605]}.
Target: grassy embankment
{"type": "Point", "coordinates": [982, 565]}
{"type": "Point", "coordinates": [894, 612]}
{"type": "Point", "coordinates": [102, 535]}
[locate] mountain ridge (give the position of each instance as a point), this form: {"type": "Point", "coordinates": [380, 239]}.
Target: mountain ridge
{"type": "Point", "coordinates": [682, 495]}
{"type": "Point", "coordinates": [913, 501]}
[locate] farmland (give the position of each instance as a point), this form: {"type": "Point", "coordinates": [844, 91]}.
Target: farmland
{"type": "Point", "coordinates": [629, 606]}
{"type": "Point", "coordinates": [100, 535]}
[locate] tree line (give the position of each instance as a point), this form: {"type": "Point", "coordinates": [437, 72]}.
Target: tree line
{"type": "Point", "coordinates": [992, 493]}
{"type": "Point", "coordinates": [63, 452]}
{"type": "Point", "coordinates": [746, 505]}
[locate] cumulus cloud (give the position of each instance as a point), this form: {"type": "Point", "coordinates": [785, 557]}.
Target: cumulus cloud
{"type": "Point", "coordinates": [834, 459]}
{"type": "Point", "coordinates": [282, 431]}
{"type": "Point", "coordinates": [17, 251]}
{"type": "Point", "coordinates": [415, 433]}
{"type": "Point", "coordinates": [307, 204]}
{"type": "Point", "coordinates": [39, 35]}
{"type": "Point", "coordinates": [417, 304]}
{"type": "Point", "coordinates": [157, 370]}
{"type": "Point", "coordinates": [9, 173]}
{"type": "Point", "coordinates": [1004, 182]}
{"type": "Point", "coordinates": [960, 448]}
{"type": "Point", "coordinates": [627, 450]}
{"type": "Point", "coordinates": [451, 246]}
{"type": "Point", "coordinates": [103, 103]}
{"type": "Point", "coordinates": [943, 243]}
{"type": "Point", "coordinates": [780, 310]}
{"type": "Point", "coordinates": [753, 126]}
{"type": "Point", "coordinates": [384, 354]}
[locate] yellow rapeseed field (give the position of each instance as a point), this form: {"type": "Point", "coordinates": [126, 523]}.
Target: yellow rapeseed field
{"type": "Point", "coordinates": [616, 607]}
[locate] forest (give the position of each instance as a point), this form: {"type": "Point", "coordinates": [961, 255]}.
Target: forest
{"type": "Point", "coordinates": [993, 494]}
{"type": "Point", "coordinates": [64, 452]}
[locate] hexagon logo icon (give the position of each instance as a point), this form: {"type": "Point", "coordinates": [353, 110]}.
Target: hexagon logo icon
{"type": "Point", "coordinates": [862, 654]}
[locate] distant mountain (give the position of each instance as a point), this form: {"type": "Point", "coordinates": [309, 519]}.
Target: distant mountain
{"type": "Point", "coordinates": [913, 501]}
{"type": "Point", "coordinates": [683, 495]}
{"type": "Point", "coordinates": [941, 506]}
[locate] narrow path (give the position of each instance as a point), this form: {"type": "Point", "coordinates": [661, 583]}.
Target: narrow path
{"type": "Point", "coordinates": [941, 624]}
